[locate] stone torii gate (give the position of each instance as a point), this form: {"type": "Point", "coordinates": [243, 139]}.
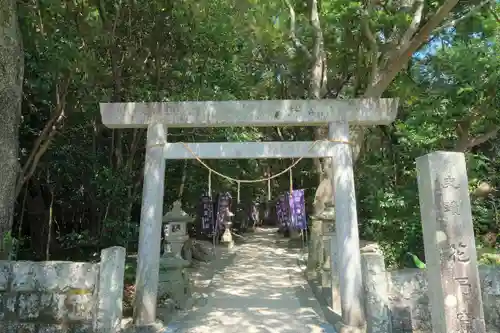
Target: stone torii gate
{"type": "Point", "coordinates": [338, 114]}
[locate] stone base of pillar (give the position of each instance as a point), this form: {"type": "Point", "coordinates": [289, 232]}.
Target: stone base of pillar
{"type": "Point", "coordinates": [173, 280]}
{"type": "Point", "coordinates": [153, 328]}
{"type": "Point", "coordinates": [326, 278]}
{"type": "Point", "coordinates": [313, 273]}
{"type": "Point", "coordinates": [314, 260]}
{"type": "Point", "coordinates": [341, 328]}
{"type": "Point", "coordinates": [294, 234]}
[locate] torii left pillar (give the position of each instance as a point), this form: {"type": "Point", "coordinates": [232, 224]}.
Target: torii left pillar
{"type": "Point", "coordinates": [150, 227]}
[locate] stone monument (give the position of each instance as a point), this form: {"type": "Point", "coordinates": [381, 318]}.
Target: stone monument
{"type": "Point", "coordinates": [450, 249]}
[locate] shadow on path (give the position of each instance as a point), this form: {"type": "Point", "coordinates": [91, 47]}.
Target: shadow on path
{"type": "Point", "coordinates": [262, 291]}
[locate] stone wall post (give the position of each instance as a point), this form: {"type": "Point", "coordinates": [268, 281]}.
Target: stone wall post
{"type": "Point", "coordinates": [450, 249]}
{"type": "Point", "coordinates": [326, 268]}
{"type": "Point", "coordinates": [315, 255]}
{"type": "Point", "coordinates": [334, 269]}
{"type": "Point", "coordinates": [375, 280]}
{"type": "Point", "coordinates": [110, 290]}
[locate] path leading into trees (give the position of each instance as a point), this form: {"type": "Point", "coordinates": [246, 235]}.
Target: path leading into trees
{"type": "Point", "coordinates": [262, 291]}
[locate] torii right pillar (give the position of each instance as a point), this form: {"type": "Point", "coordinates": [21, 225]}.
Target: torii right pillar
{"type": "Point", "coordinates": [346, 223]}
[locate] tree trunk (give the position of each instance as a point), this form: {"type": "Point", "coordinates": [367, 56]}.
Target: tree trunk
{"type": "Point", "coordinates": [11, 80]}
{"type": "Point", "coordinates": [385, 67]}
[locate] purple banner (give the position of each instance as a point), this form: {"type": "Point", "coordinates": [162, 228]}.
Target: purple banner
{"type": "Point", "coordinates": [278, 213]}
{"type": "Point", "coordinates": [297, 210]}
{"type": "Point", "coordinates": [285, 211]}
{"type": "Point", "coordinates": [206, 213]}
{"type": "Point", "coordinates": [223, 206]}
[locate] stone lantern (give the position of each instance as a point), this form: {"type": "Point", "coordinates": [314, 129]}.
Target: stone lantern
{"type": "Point", "coordinates": [175, 229]}
{"type": "Point", "coordinates": [227, 237]}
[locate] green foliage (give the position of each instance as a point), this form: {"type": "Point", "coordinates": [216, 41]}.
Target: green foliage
{"type": "Point", "coordinates": [449, 103]}
{"type": "Point", "coordinates": [78, 55]}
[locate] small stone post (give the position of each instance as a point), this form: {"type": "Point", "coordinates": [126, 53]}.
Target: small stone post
{"type": "Point", "coordinates": [315, 254]}
{"type": "Point", "coordinates": [176, 221]}
{"type": "Point", "coordinates": [450, 249]}
{"type": "Point", "coordinates": [378, 315]}
{"type": "Point", "coordinates": [328, 232]}
{"type": "Point", "coordinates": [110, 290]}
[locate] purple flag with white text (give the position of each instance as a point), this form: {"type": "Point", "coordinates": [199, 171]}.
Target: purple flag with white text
{"type": "Point", "coordinates": [297, 210]}
{"type": "Point", "coordinates": [206, 213]}
{"type": "Point", "coordinates": [223, 207]}
{"type": "Point", "coordinates": [285, 211]}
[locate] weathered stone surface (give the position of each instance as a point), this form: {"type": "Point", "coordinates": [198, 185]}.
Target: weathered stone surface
{"type": "Point", "coordinates": [52, 307]}
{"type": "Point", "coordinates": [450, 248]}
{"type": "Point", "coordinates": [334, 268]}
{"type": "Point", "coordinates": [146, 288]}
{"type": "Point", "coordinates": [490, 284]}
{"type": "Point", "coordinates": [203, 251]}
{"type": "Point", "coordinates": [53, 276]}
{"type": "Point", "coordinates": [53, 297]}
{"type": "Point", "coordinates": [346, 225]}
{"type": "Point", "coordinates": [79, 306]}
{"type": "Point", "coordinates": [376, 293]}
{"type": "Point", "coordinates": [174, 281]}
{"type": "Point", "coordinates": [249, 113]}
{"type": "Point", "coordinates": [330, 277]}
{"type": "Point", "coordinates": [13, 327]}
{"type": "Point", "coordinates": [110, 294]}
{"type": "Point", "coordinates": [409, 302]}
{"type": "Point", "coordinates": [410, 306]}
{"type": "Point", "coordinates": [187, 250]}
{"type": "Point", "coordinates": [315, 246]}
{"type": "Point", "coordinates": [248, 150]}
{"type": "Point", "coordinates": [8, 301]}
{"type": "Point", "coordinates": [5, 269]}
{"type": "Point", "coordinates": [29, 306]}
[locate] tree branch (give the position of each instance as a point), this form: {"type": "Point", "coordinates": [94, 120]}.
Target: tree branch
{"type": "Point", "coordinates": [483, 138]}
{"type": "Point", "coordinates": [298, 44]}
{"type": "Point", "coordinates": [453, 23]}
{"type": "Point", "coordinates": [395, 64]}
{"type": "Point", "coordinates": [367, 32]}
{"type": "Point", "coordinates": [42, 143]}
{"type": "Point", "coordinates": [415, 23]}
{"type": "Point", "coordinates": [318, 69]}
{"type": "Point", "coordinates": [495, 15]}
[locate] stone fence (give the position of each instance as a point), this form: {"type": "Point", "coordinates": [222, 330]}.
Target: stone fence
{"type": "Point", "coordinates": [58, 296]}
{"type": "Point", "coordinates": [395, 301]}
{"type": "Point", "coordinates": [398, 302]}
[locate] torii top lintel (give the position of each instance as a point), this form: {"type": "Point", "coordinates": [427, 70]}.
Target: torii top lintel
{"type": "Point", "coordinates": [379, 111]}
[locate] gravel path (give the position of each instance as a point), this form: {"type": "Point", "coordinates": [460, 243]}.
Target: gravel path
{"type": "Point", "coordinates": [262, 291]}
